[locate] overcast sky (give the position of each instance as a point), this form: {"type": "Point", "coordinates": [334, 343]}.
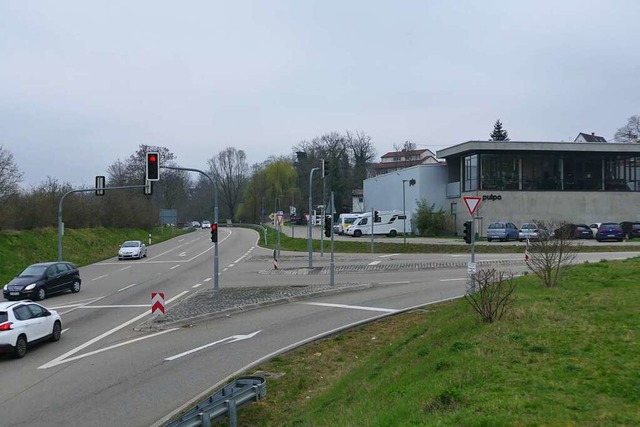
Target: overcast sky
{"type": "Point", "coordinates": [84, 83]}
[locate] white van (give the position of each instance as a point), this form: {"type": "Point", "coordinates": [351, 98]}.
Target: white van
{"type": "Point", "coordinates": [391, 223]}
{"type": "Point", "coordinates": [344, 222]}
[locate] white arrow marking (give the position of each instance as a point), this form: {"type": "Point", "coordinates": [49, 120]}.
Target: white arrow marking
{"type": "Point", "coordinates": [182, 254]}
{"type": "Point", "coordinates": [230, 339]}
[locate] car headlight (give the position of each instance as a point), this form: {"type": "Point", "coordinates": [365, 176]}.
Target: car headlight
{"type": "Point", "coordinates": [29, 287]}
{"type": "Point", "coordinates": [6, 287]}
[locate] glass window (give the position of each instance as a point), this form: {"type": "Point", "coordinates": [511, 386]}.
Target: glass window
{"type": "Point", "coordinates": [471, 173]}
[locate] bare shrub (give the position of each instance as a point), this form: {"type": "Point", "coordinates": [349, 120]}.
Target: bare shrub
{"type": "Point", "coordinates": [552, 252]}
{"type": "Point", "coordinates": [492, 294]}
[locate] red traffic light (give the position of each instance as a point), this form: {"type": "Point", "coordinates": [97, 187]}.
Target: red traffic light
{"type": "Point", "coordinates": [152, 158]}
{"type": "Point", "coordinates": [152, 172]}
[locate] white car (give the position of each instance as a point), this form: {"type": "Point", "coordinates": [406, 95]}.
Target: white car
{"type": "Point", "coordinates": [206, 224]}
{"type": "Point", "coordinates": [23, 323]}
{"type": "Point", "coordinates": [132, 249]}
{"type": "Point", "coordinates": [594, 227]}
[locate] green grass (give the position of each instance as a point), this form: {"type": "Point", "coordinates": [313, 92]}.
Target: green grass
{"type": "Point", "coordinates": [18, 249]}
{"type": "Point", "coordinates": [567, 356]}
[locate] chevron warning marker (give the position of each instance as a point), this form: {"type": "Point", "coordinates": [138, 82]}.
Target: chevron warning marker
{"type": "Point", "coordinates": [157, 303]}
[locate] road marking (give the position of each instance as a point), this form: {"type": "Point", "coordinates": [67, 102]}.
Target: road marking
{"type": "Point", "coordinates": [63, 358]}
{"type": "Point", "coordinates": [124, 268]}
{"type": "Point", "coordinates": [207, 279]}
{"type": "Point", "coordinates": [100, 277]}
{"type": "Point", "coordinates": [230, 265]}
{"type": "Point", "coordinates": [404, 282]}
{"type": "Point", "coordinates": [454, 280]}
{"type": "Point", "coordinates": [197, 285]}
{"type": "Point", "coordinates": [353, 307]}
{"type": "Point", "coordinates": [225, 269]}
{"type": "Point", "coordinates": [126, 287]}
{"type": "Point", "coordinates": [175, 266]}
{"type": "Point", "coordinates": [239, 259]}
{"type": "Point", "coordinates": [387, 255]}
{"type": "Point", "coordinates": [375, 262]}
{"type": "Point", "coordinates": [230, 339]}
{"type": "Point", "coordinates": [117, 306]}
{"type": "Point", "coordinates": [182, 254]}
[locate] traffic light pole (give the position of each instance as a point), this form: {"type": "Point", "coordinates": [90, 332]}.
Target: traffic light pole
{"type": "Point", "coordinates": [309, 233]}
{"type": "Point", "coordinates": [215, 218]}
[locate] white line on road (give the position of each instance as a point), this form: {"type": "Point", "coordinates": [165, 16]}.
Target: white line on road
{"type": "Point", "coordinates": [404, 282]}
{"type": "Point", "coordinates": [62, 359]}
{"type": "Point", "coordinates": [375, 262]}
{"type": "Point", "coordinates": [100, 277]}
{"type": "Point", "coordinates": [197, 285]}
{"type": "Point", "coordinates": [230, 265]}
{"type": "Point", "coordinates": [230, 339]}
{"type": "Point", "coordinates": [207, 279]}
{"type": "Point", "coordinates": [175, 266]}
{"type": "Point", "coordinates": [353, 307]}
{"type": "Point", "coordinates": [453, 280]}
{"type": "Point", "coordinates": [117, 306]}
{"type": "Point", "coordinates": [126, 287]}
{"type": "Point", "coordinates": [124, 268]}
{"type": "Point", "coordinates": [387, 255]}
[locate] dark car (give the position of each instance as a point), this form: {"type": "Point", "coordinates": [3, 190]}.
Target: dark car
{"type": "Point", "coordinates": [609, 231]}
{"type": "Point", "coordinates": [574, 231]}
{"type": "Point", "coordinates": [39, 280]}
{"type": "Point", "coordinates": [630, 229]}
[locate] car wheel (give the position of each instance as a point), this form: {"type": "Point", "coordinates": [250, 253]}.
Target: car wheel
{"type": "Point", "coordinates": [392, 233]}
{"type": "Point", "coordinates": [21, 347]}
{"type": "Point", "coordinates": [41, 294]}
{"type": "Point", "coordinates": [488, 240]}
{"type": "Point", "coordinates": [57, 331]}
{"type": "Point", "coordinates": [357, 233]}
{"type": "Point", "coordinates": [75, 286]}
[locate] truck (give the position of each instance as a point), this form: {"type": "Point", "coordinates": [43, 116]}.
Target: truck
{"type": "Point", "coordinates": [388, 223]}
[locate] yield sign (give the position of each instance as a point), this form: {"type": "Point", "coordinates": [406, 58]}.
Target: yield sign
{"type": "Point", "coordinates": [472, 203]}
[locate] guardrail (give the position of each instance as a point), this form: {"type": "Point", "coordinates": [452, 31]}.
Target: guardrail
{"type": "Point", "coordinates": [223, 403]}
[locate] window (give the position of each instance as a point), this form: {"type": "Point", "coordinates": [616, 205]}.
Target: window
{"type": "Point", "coordinates": [470, 173]}
{"type": "Point", "coordinates": [22, 312]}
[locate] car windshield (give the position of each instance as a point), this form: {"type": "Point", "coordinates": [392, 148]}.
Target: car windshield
{"type": "Point", "coordinates": [130, 244]}
{"type": "Point", "coordinates": [609, 225]}
{"type": "Point", "coordinates": [529, 226]}
{"type": "Point", "coordinates": [349, 220]}
{"type": "Point", "coordinates": [33, 270]}
{"type": "Point", "coordinates": [497, 225]}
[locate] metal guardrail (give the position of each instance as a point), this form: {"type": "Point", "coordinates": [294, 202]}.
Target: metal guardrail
{"type": "Point", "coordinates": [223, 403]}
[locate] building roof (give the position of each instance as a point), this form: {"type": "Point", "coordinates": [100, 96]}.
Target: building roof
{"type": "Point", "coordinates": [406, 153]}
{"type": "Point", "coordinates": [590, 137]}
{"type": "Point", "coordinates": [514, 146]}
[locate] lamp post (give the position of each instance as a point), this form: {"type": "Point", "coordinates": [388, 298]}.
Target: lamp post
{"type": "Point", "coordinates": [404, 212]}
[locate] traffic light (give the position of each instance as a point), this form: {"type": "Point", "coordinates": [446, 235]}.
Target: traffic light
{"type": "Point", "coordinates": [152, 172]}
{"type": "Point", "coordinates": [376, 216]}
{"type": "Point", "coordinates": [100, 181]}
{"type": "Point", "coordinates": [214, 232]}
{"type": "Point", "coordinates": [327, 226]}
{"type": "Point", "coordinates": [467, 232]}
{"type": "Point", "coordinates": [325, 167]}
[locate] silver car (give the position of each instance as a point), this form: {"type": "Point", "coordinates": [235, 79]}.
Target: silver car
{"type": "Point", "coordinates": [132, 249]}
{"type": "Point", "coordinates": [531, 231]}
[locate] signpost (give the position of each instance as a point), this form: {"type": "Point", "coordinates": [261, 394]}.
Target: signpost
{"type": "Point", "coordinates": [472, 203]}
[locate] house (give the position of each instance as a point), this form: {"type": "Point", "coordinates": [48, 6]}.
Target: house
{"type": "Point", "coordinates": [585, 137]}
{"type": "Point", "coordinates": [394, 161]}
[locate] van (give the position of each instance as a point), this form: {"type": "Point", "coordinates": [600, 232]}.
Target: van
{"type": "Point", "coordinates": [389, 223]}
{"type": "Point", "coordinates": [344, 221]}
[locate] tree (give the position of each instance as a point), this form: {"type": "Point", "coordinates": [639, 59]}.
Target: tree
{"type": "Point", "coordinates": [630, 132]}
{"type": "Point", "coordinates": [10, 175]}
{"type": "Point", "coordinates": [550, 255]}
{"type": "Point", "coordinates": [498, 134]}
{"type": "Point", "coordinates": [428, 221]}
{"type": "Point", "coordinates": [229, 170]}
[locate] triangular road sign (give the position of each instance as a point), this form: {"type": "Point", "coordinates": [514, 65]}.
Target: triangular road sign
{"type": "Point", "coordinates": [472, 203]}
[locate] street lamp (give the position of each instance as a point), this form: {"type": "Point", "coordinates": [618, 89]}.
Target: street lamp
{"type": "Point", "coordinates": [404, 212]}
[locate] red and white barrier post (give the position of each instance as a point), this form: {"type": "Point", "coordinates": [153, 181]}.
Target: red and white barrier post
{"type": "Point", "coordinates": [157, 303]}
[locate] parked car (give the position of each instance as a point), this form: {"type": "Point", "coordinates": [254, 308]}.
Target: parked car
{"type": "Point", "coordinates": [594, 227]}
{"type": "Point", "coordinates": [531, 231]}
{"type": "Point", "coordinates": [206, 224]}
{"type": "Point", "coordinates": [39, 280]}
{"type": "Point", "coordinates": [503, 231]}
{"type": "Point", "coordinates": [25, 323]}
{"type": "Point", "coordinates": [132, 249]}
{"type": "Point", "coordinates": [574, 231]}
{"type": "Point", "coordinates": [610, 231]}
{"type": "Point", "coordinates": [628, 229]}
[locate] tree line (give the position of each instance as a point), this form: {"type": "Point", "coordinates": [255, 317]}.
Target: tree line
{"type": "Point", "coordinates": [243, 191]}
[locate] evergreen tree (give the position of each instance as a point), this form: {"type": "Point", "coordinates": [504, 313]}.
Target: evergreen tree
{"type": "Point", "coordinates": [499, 134]}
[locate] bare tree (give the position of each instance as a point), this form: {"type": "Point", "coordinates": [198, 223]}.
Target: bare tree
{"type": "Point", "coordinates": [363, 154]}
{"type": "Point", "coordinates": [549, 255]}
{"type": "Point", "coordinates": [492, 296]}
{"type": "Point", "coordinates": [630, 132]}
{"type": "Point", "coordinates": [10, 175]}
{"type": "Point", "coordinates": [230, 170]}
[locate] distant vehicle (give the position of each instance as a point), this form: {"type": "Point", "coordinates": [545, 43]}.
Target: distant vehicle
{"type": "Point", "coordinates": [344, 221]}
{"type": "Point", "coordinates": [132, 249]}
{"type": "Point", "coordinates": [206, 224]}
{"type": "Point", "coordinates": [25, 323]}
{"type": "Point", "coordinates": [594, 227]}
{"type": "Point", "coordinates": [196, 224]}
{"type": "Point", "coordinates": [630, 229]}
{"type": "Point", "coordinates": [610, 231]}
{"type": "Point", "coordinates": [574, 231]}
{"type": "Point", "coordinates": [503, 231]}
{"type": "Point", "coordinates": [391, 224]}
{"type": "Point", "coordinates": [531, 231]}
{"type": "Point", "coordinates": [39, 280]}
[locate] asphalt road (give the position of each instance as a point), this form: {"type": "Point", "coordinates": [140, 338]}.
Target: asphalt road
{"type": "Point", "coordinates": [106, 370]}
